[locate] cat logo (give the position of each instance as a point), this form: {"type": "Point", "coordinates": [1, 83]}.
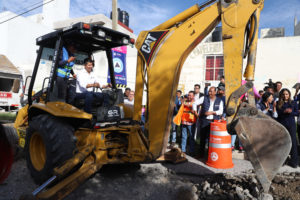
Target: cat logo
{"type": "Point", "coordinates": [150, 44]}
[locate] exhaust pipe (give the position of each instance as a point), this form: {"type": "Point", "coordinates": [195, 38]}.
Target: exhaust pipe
{"type": "Point", "coordinates": [8, 145]}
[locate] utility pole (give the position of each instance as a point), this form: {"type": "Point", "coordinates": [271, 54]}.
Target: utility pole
{"type": "Point", "coordinates": [114, 14]}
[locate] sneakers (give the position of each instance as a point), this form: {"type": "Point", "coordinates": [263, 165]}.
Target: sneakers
{"type": "Point", "coordinates": [241, 149]}
{"type": "Point", "coordinates": [232, 148]}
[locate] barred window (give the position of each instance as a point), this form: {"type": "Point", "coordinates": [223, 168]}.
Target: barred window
{"type": "Point", "coordinates": [214, 68]}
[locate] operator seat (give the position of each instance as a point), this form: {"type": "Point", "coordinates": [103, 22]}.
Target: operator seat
{"type": "Point", "coordinates": [115, 98]}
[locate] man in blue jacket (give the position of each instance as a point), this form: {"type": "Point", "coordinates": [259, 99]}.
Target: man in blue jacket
{"type": "Point", "coordinates": [212, 109]}
{"type": "Point", "coordinates": [65, 65]}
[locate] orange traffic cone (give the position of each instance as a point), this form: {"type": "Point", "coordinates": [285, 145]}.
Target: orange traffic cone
{"type": "Point", "coordinates": [219, 152]}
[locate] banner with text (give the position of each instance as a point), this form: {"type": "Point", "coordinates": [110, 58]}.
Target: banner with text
{"type": "Point", "coordinates": [119, 62]}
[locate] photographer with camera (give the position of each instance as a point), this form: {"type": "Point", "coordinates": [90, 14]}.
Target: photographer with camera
{"type": "Point", "coordinates": [272, 87]}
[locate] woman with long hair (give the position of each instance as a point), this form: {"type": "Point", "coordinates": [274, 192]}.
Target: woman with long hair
{"type": "Point", "coordinates": [287, 110]}
{"type": "Point", "coordinates": [266, 105]}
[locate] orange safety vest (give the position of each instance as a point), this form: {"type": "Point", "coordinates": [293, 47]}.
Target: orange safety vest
{"type": "Point", "coordinates": [188, 115]}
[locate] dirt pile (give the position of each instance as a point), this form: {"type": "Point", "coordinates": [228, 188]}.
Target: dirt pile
{"type": "Point", "coordinates": [285, 186]}
{"type": "Point", "coordinates": [162, 182]}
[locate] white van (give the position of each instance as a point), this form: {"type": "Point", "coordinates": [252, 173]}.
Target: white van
{"type": "Point", "coordinates": [10, 86]}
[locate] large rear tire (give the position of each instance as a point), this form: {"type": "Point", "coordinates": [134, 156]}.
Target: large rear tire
{"type": "Point", "coordinates": [49, 143]}
{"type": "Point", "coordinates": [6, 153]}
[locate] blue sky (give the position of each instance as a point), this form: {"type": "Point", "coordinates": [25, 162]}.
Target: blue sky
{"type": "Point", "coordinates": [146, 14]}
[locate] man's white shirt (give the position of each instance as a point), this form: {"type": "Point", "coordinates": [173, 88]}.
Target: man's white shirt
{"type": "Point", "coordinates": [198, 102]}
{"type": "Point", "coordinates": [83, 79]}
{"type": "Point", "coordinates": [126, 101]}
{"type": "Point", "coordinates": [197, 96]}
{"type": "Point", "coordinates": [211, 107]}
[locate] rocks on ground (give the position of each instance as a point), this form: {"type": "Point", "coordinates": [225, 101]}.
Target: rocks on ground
{"type": "Point", "coordinates": [157, 181]}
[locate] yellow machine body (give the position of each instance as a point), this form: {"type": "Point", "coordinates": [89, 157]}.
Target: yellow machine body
{"type": "Point", "coordinates": [162, 52]}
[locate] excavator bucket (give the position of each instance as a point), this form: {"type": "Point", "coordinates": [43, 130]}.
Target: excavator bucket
{"type": "Point", "coordinates": [266, 142]}
{"type": "Point", "coordinates": [8, 145]}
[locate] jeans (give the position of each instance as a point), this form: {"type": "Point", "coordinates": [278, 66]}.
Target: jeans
{"type": "Point", "coordinates": [173, 134]}
{"type": "Point", "coordinates": [233, 138]}
{"type": "Point", "coordinates": [187, 130]}
{"type": "Point", "coordinates": [90, 96]}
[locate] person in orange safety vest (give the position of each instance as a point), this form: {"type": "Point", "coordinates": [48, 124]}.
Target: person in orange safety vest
{"type": "Point", "coordinates": [188, 120]}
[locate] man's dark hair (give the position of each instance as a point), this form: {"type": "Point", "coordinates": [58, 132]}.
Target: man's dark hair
{"type": "Point", "coordinates": [179, 91]}
{"type": "Point", "coordinates": [222, 77]}
{"type": "Point", "coordinates": [197, 85]}
{"type": "Point", "coordinates": [278, 82]}
{"type": "Point", "coordinates": [265, 96]}
{"type": "Point", "coordinates": [127, 89]}
{"type": "Point", "coordinates": [192, 92]}
{"type": "Point", "coordinates": [70, 43]}
{"type": "Point", "coordinates": [268, 87]}
{"type": "Point", "coordinates": [88, 60]}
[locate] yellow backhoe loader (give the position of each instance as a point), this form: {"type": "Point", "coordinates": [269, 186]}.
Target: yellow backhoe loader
{"type": "Point", "coordinates": [65, 146]}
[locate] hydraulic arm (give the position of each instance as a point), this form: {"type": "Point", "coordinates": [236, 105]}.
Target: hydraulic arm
{"type": "Point", "coordinates": [161, 55]}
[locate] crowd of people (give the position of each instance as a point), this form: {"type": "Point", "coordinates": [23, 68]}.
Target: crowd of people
{"type": "Point", "coordinates": [194, 112]}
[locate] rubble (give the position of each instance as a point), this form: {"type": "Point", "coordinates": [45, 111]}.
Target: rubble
{"type": "Point", "coordinates": [160, 181]}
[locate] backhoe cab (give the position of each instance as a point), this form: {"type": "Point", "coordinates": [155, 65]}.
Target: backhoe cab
{"type": "Point", "coordinates": [87, 39]}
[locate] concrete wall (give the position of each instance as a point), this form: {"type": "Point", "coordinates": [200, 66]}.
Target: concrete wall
{"type": "Point", "coordinates": [18, 41]}
{"type": "Point", "coordinates": [278, 58]}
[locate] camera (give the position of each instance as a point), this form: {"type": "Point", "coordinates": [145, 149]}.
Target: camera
{"type": "Point", "coordinates": [270, 84]}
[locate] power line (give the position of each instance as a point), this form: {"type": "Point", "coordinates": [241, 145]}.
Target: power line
{"type": "Point", "coordinates": [25, 12]}
{"type": "Point", "coordinates": [20, 9]}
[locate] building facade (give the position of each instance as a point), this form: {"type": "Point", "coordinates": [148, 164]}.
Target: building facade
{"type": "Point", "coordinates": [276, 57]}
